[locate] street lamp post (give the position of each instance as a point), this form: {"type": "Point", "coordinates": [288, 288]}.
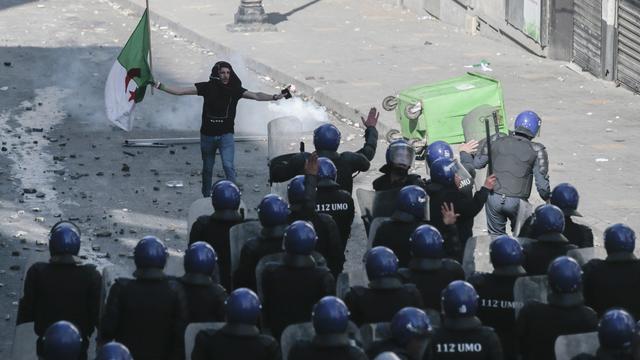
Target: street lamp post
{"type": "Point", "coordinates": [251, 17]}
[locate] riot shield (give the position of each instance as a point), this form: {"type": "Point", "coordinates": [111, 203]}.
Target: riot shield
{"type": "Point", "coordinates": [262, 264]}
{"type": "Point", "coordinates": [304, 331]}
{"type": "Point", "coordinates": [365, 204]}
{"type": "Point", "coordinates": [374, 228]}
{"type": "Point", "coordinates": [192, 331]}
{"type": "Point", "coordinates": [342, 284]}
{"type": "Point", "coordinates": [434, 317]}
{"type": "Point", "coordinates": [569, 346]}
{"type": "Point", "coordinates": [530, 288]}
{"type": "Point", "coordinates": [525, 210]}
{"type": "Point", "coordinates": [473, 124]}
{"type": "Point", "coordinates": [374, 332]}
{"type": "Point", "coordinates": [203, 206]}
{"type": "Point", "coordinates": [467, 182]}
{"type": "Point", "coordinates": [584, 255]}
{"type": "Point", "coordinates": [384, 203]}
{"type": "Point", "coordinates": [238, 235]}
{"type": "Point", "coordinates": [476, 255]}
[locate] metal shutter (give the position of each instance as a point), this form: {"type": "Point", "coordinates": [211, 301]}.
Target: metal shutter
{"type": "Point", "coordinates": [628, 56]}
{"type": "Point", "coordinates": [587, 35]}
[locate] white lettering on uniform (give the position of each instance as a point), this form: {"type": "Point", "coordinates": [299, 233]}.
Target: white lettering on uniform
{"type": "Point", "coordinates": [500, 304]}
{"type": "Point", "coordinates": [332, 207]}
{"type": "Point", "coordinates": [459, 348]}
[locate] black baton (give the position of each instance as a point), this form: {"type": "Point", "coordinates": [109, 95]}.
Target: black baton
{"type": "Point", "coordinates": [486, 128]}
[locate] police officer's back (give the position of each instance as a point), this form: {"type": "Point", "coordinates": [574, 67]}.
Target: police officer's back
{"type": "Point", "coordinates": [282, 306]}
{"type": "Point", "coordinates": [462, 335]}
{"type": "Point", "coordinates": [301, 192]}
{"type": "Point", "coordinates": [538, 325]}
{"type": "Point", "coordinates": [614, 281]}
{"type": "Point", "coordinates": [62, 341]}
{"type": "Point", "coordinates": [566, 197]}
{"type": "Point", "coordinates": [399, 159]}
{"type": "Point", "coordinates": [330, 321]}
{"type": "Point", "coordinates": [273, 213]}
{"type": "Point", "coordinates": [214, 229]}
{"type": "Point", "coordinates": [148, 314]}
{"type": "Point", "coordinates": [205, 298]}
{"type": "Point", "coordinates": [61, 289]}
{"type": "Point", "coordinates": [326, 139]}
{"type": "Point", "coordinates": [428, 269]}
{"type": "Point", "coordinates": [410, 329]}
{"type": "Point", "coordinates": [615, 334]}
{"type": "Point", "coordinates": [497, 307]}
{"type": "Point", "coordinates": [239, 338]}
{"type": "Point", "coordinates": [385, 294]}
{"type": "Point", "coordinates": [549, 243]}
{"type": "Point", "coordinates": [333, 201]}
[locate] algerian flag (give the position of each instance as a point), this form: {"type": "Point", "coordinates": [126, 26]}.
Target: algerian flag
{"type": "Point", "coordinates": [129, 77]}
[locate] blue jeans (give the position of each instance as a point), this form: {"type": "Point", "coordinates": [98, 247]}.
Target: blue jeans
{"type": "Point", "coordinates": [499, 208]}
{"type": "Point", "coordinates": [208, 146]}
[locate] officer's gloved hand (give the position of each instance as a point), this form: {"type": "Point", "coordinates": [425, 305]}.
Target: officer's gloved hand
{"type": "Point", "coordinates": [372, 118]}
{"type": "Point", "coordinates": [449, 216]}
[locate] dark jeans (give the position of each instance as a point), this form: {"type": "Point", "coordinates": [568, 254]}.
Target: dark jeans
{"type": "Point", "coordinates": [208, 146]}
{"type": "Point", "coordinates": [499, 208]}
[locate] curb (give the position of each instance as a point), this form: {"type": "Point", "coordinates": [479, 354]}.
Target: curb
{"type": "Point", "coordinates": [331, 103]}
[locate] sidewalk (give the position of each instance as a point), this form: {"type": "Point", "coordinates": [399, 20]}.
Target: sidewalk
{"type": "Point", "coordinates": [351, 54]}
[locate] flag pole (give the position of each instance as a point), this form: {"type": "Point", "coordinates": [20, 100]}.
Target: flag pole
{"type": "Point", "coordinates": [149, 32]}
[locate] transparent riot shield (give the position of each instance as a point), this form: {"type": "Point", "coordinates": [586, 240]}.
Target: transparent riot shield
{"type": "Point", "coordinates": [476, 255]}
{"type": "Point", "coordinates": [375, 225]}
{"type": "Point", "coordinates": [525, 210]}
{"type": "Point", "coordinates": [569, 346]}
{"type": "Point", "coordinates": [365, 204]}
{"type": "Point", "coordinates": [384, 203]}
{"type": "Point", "coordinates": [530, 288]}
{"type": "Point", "coordinates": [374, 332]}
{"type": "Point", "coordinates": [192, 331]}
{"type": "Point", "coordinates": [262, 264]}
{"type": "Point", "coordinates": [467, 182]}
{"type": "Point", "coordinates": [238, 235]}
{"type": "Point", "coordinates": [304, 331]}
{"type": "Point", "coordinates": [201, 207]}
{"type": "Point", "coordinates": [473, 124]}
{"type": "Point", "coordinates": [584, 255]}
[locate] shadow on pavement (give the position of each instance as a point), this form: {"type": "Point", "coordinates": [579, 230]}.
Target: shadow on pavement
{"type": "Point", "coordinates": [276, 18]}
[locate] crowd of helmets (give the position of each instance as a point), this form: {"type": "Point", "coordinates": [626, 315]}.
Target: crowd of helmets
{"type": "Point", "coordinates": [423, 307]}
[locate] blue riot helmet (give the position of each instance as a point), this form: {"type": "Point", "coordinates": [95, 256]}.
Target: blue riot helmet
{"type": "Point", "coordinates": [225, 195]}
{"type": "Point", "coordinates": [528, 123]}
{"type": "Point", "coordinates": [426, 242]}
{"type": "Point", "coordinates": [437, 150]}
{"type": "Point", "coordinates": [243, 307]}
{"type": "Point", "coordinates": [200, 258]}
{"type": "Point", "coordinates": [64, 241]}
{"type": "Point", "coordinates": [62, 341]}
{"type": "Point", "coordinates": [459, 300]}
{"type": "Point", "coordinates": [400, 154]}
{"type": "Point", "coordinates": [410, 323]}
{"type": "Point", "coordinates": [615, 330]}
{"type": "Point", "coordinates": [412, 200]}
{"type": "Point", "coordinates": [273, 211]}
{"type": "Point", "coordinates": [330, 315]}
{"type": "Point", "coordinates": [506, 251]}
{"type": "Point", "coordinates": [564, 275]}
{"type": "Point", "coordinates": [114, 351]}
{"type": "Point", "coordinates": [299, 238]}
{"type": "Point", "coordinates": [443, 171]}
{"type": "Point", "coordinates": [150, 253]}
{"type": "Point", "coordinates": [327, 171]}
{"type": "Point", "coordinates": [65, 224]}
{"type": "Point", "coordinates": [381, 262]}
{"type": "Point", "coordinates": [326, 137]}
{"type": "Point", "coordinates": [296, 190]}
{"type": "Point", "coordinates": [566, 197]}
{"type": "Point", "coordinates": [619, 238]}
{"type": "Point", "coordinates": [548, 219]}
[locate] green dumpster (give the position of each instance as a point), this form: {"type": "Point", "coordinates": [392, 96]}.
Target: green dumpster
{"type": "Point", "coordinates": [434, 112]}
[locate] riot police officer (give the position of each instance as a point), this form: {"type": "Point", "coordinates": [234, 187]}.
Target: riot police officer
{"type": "Point", "coordinates": [61, 289]}
{"type": "Point", "coordinates": [410, 213]}
{"type": "Point", "coordinates": [613, 281]}
{"type": "Point", "coordinates": [114, 351]}
{"type": "Point", "coordinates": [516, 162]}
{"type": "Point", "coordinates": [538, 325]}
{"type": "Point", "coordinates": [301, 193]}
{"type": "Point", "coordinates": [566, 197]}
{"type": "Point", "coordinates": [444, 189]}
{"type": "Point", "coordinates": [615, 333]}
{"type": "Point", "coordinates": [62, 341]}
{"type": "Point", "coordinates": [334, 201]}
{"type": "Point", "coordinates": [148, 314]}
{"type": "Point", "coordinates": [462, 335]}
{"type": "Point", "coordinates": [273, 213]}
{"type": "Point", "coordinates": [385, 294]}
{"type": "Point", "coordinates": [326, 139]}
{"type": "Point", "coordinates": [299, 271]}
{"type": "Point", "coordinates": [464, 169]}
{"type": "Point", "coordinates": [428, 269]}
{"type": "Point", "coordinates": [399, 159]}
{"type": "Point", "coordinates": [214, 229]}
{"type": "Point", "coordinates": [239, 338]}
{"type": "Point", "coordinates": [330, 321]}
{"type": "Point", "coordinates": [497, 306]}
{"type": "Point", "coordinates": [205, 298]}
{"type": "Point", "coordinates": [410, 329]}
{"type": "Point", "coordinates": [549, 242]}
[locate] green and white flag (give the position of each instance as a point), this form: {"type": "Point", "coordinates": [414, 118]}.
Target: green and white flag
{"type": "Point", "coordinates": [129, 77]}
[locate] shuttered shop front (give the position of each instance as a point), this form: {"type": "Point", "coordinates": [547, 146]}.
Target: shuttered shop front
{"type": "Point", "coordinates": [587, 35]}
{"type": "Point", "coordinates": [628, 53]}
